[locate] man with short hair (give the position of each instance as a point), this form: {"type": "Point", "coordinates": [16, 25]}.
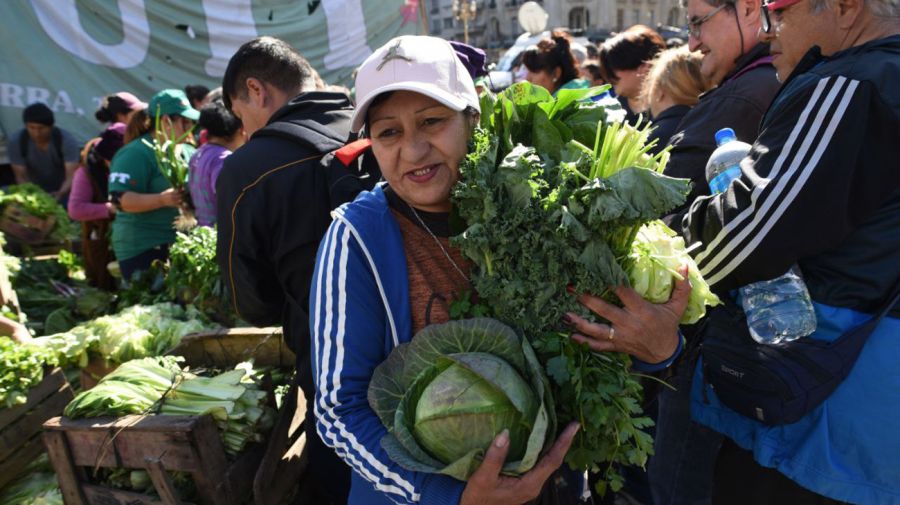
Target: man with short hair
{"type": "Point", "coordinates": [820, 189]}
{"type": "Point", "coordinates": [275, 195]}
{"type": "Point", "coordinates": [42, 153]}
{"type": "Point", "coordinates": [724, 31]}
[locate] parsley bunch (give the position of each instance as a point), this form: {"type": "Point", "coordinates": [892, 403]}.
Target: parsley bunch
{"type": "Point", "coordinates": [552, 195]}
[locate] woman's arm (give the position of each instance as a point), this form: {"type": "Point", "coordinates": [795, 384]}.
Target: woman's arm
{"type": "Point", "coordinates": [348, 335]}
{"type": "Point", "coordinates": [81, 204]}
{"type": "Point", "coordinates": [70, 168]}
{"type": "Point", "coordinates": [14, 329]}
{"type": "Point", "coordinates": [146, 202]}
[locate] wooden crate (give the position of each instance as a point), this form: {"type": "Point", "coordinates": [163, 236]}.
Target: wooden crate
{"type": "Point", "coordinates": [227, 347]}
{"type": "Point", "coordinates": [25, 227]}
{"type": "Point", "coordinates": [20, 426]}
{"type": "Point", "coordinates": [154, 443]}
{"type": "Point", "coordinates": [222, 348]}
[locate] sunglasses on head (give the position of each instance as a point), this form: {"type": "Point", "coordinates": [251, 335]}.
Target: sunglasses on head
{"type": "Point", "coordinates": [769, 7]}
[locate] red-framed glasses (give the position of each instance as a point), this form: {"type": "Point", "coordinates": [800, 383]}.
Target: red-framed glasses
{"type": "Point", "coordinates": [769, 7]}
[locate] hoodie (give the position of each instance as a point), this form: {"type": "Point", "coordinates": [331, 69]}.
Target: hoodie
{"type": "Point", "coordinates": [275, 195]}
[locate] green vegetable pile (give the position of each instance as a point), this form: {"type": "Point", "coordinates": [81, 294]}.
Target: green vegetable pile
{"type": "Point", "coordinates": [21, 368]}
{"type": "Point", "coordinates": [135, 332]}
{"type": "Point", "coordinates": [193, 274]}
{"type": "Point", "coordinates": [445, 396]}
{"type": "Point", "coordinates": [160, 386]}
{"type": "Point", "coordinates": [140, 481]}
{"type": "Point", "coordinates": [37, 486]}
{"type": "Point", "coordinates": [54, 296]}
{"type": "Point", "coordinates": [39, 203]}
{"type": "Point", "coordinates": [552, 195]}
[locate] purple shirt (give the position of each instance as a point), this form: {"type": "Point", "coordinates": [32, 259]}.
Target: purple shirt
{"type": "Point", "coordinates": [205, 166]}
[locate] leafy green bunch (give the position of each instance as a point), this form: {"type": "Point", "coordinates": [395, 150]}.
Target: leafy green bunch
{"type": "Point", "coordinates": [193, 274]}
{"type": "Point", "coordinates": [21, 368]}
{"type": "Point", "coordinates": [169, 159]}
{"type": "Point", "coordinates": [552, 194]}
{"type": "Point", "coordinates": [173, 165]}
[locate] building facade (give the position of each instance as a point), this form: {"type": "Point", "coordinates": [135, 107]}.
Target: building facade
{"type": "Point", "coordinates": [496, 24]}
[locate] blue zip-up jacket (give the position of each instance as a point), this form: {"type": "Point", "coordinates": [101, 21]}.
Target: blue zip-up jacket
{"type": "Point", "coordinates": [359, 311]}
{"type": "Point", "coordinates": [821, 188]}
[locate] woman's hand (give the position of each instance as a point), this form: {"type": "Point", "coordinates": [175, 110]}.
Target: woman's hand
{"type": "Point", "coordinates": [487, 487]}
{"type": "Point", "coordinates": [171, 198]}
{"type": "Point", "coordinates": [14, 330]}
{"type": "Point", "coordinates": [21, 335]}
{"type": "Point", "coordinates": [645, 330]}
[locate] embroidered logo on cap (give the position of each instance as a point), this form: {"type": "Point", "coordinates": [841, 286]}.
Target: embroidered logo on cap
{"type": "Point", "coordinates": [393, 53]}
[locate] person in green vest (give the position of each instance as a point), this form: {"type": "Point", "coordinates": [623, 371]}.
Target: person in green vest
{"type": "Point", "coordinates": [143, 228]}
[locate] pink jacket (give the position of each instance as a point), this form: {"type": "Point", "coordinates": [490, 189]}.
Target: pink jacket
{"type": "Point", "coordinates": [81, 206]}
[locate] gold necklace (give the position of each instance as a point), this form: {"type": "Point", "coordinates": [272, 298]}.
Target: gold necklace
{"type": "Point", "coordinates": [438, 242]}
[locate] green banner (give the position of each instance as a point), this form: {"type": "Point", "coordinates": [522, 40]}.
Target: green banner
{"type": "Point", "coordinates": [71, 53]}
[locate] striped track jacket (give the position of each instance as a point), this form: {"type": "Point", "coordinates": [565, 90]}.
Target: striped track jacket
{"type": "Point", "coordinates": [359, 311]}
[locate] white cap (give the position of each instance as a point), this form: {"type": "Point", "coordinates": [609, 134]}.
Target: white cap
{"type": "Point", "coordinates": [426, 65]}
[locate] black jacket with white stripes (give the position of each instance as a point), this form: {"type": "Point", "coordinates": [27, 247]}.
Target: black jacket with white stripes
{"type": "Point", "coordinates": [738, 102]}
{"type": "Point", "coordinates": [821, 186]}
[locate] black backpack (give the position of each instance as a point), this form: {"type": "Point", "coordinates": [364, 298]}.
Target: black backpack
{"type": "Point", "coordinates": [777, 384]}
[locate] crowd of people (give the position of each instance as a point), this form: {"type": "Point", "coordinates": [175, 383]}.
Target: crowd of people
{"type": "Point", "coordinates": [333, 219]}
{"type": "Point", "coordinates": [113, 184]}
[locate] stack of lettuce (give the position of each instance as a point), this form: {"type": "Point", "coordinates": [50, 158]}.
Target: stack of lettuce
{"type": "Point", "coordinates": [160, 386]}
{"type": "Point", "coordinates": [135, 332]}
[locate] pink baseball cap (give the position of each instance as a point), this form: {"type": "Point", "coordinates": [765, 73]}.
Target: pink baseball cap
{"type": "Point", "coordinates": [426, 65]}
{"type": "Point", "coordinates": [133, 102]}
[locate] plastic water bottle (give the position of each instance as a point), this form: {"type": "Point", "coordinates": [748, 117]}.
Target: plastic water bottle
{"type": "Point", "coordinates": [777, 310]}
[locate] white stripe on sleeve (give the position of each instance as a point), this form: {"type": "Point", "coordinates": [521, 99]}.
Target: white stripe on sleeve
{"type": "Point", "coordinates": [335, 430]}
{"type": "Point", "coordinates": [725, 233]}
{"type": "Point", "coordinates": [795, 189]}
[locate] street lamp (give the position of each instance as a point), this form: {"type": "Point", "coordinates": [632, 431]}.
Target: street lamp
{"type": "Point", "coordinates": [465, 11]}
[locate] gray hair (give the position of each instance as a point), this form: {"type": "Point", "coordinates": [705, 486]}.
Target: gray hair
{"type": "Point", "coordinates": [879, 8]}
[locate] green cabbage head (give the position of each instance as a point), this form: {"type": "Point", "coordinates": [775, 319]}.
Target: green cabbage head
{"type": "Point", "coordinates": [445, 395]}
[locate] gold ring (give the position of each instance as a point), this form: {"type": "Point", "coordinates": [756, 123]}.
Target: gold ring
{"type": "Point", "coordinates": [612, 332]}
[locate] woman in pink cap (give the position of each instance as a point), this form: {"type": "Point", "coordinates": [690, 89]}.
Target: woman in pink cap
{"type": "Point", "coordinates": [119, 107]}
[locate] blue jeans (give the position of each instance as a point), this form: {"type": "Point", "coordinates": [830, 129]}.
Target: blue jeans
{"type": "Point", "coordinates": [143, 261]}
{"type": "Point", "coordinates": [682, 467]}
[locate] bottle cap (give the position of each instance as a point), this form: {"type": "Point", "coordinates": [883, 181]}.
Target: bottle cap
{"type": "Point", "coordinates": [724, 136]}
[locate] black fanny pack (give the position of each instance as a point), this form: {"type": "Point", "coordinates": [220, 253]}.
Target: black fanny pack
{"type": "Point", "coordinates": [777, 384]}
